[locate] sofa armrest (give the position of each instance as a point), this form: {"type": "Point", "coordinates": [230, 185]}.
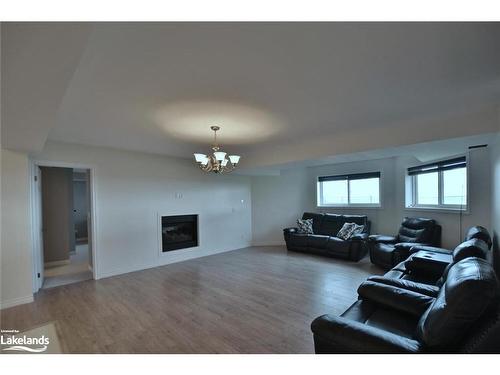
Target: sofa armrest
{"type": "Point", "coordinates": [359, 237]}
{"type": "Point", "coordinates": [289, 230]}
{"type": "Point", "coordinates": [400, 299]}
{"type": "Point", "coordinates": [380, 238]}
{"type": "Point", "coordinates": [348, 336]}
{"type": "Point", "coordinates": [428, 290]}
{"type": "Point", "coordinates": [418, 247]}
{"type": "Point", "coordinates": [404, 249]}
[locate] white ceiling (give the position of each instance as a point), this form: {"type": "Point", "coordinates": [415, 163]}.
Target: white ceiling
{"type": "Point", "coordinates": [281, 92]}
{"type": "Point", "coordinates": [423, 152]}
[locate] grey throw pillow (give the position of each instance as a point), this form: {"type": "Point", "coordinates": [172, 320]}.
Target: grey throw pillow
{"type": "Point", "coordinates": [357, 229]}
{"type": "Point", "coordinates": [305, 226]}
{"type": "Point", "coordinates": [345, 232]}
{"type": "Point", "coordinates": [350, 229]}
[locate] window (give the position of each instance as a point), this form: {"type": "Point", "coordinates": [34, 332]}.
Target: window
{"type": "Point", "coordinates": [349, 190]}
{"type": "Point", "coordinates": [440, 185]}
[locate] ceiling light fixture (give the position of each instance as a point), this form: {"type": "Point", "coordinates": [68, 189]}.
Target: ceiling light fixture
{"type": "Point", "coordinates": [218, 162]}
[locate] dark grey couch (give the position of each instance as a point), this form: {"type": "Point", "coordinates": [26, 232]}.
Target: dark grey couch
{"type": "Point", "coordinates": [324, 241]}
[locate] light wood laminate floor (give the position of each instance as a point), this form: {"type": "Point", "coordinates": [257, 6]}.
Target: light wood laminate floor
{"type": "Point", "coordinates": [254, 300]}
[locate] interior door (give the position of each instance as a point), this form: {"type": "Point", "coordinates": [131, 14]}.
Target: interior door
{"type": "Point", "coordinates": [89, 220]}
{"type": "Point", "coordinates": [39, 225]}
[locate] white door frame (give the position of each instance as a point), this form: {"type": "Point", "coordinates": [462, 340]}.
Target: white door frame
{"type": "Point", "coordinates": [37, 252]}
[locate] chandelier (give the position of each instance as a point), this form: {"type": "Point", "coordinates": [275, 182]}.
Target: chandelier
{"type": "Point", "coordinates": [217, 162]}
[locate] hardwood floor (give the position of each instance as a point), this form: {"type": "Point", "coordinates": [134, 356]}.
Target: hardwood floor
{"type": "Point", "coordinates": [254, 300]}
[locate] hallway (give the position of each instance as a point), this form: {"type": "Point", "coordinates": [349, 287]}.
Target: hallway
{"type": "Point", "coordinates": [77, 270]}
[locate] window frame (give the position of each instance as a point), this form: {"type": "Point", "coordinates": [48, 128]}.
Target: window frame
{"type": "Point", "coordinates": [440, 206]}
{"type": "Point", "coordinates": [319, 191]}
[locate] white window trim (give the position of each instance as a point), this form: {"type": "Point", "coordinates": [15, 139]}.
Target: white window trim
{"type": "Point", "coordinates": [319, 195]}
{"type": "Point", "coordinates": [441, 207]}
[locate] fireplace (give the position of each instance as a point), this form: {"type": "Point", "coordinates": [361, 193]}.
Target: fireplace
{"type": "Point", "coordinates": [179, 232]}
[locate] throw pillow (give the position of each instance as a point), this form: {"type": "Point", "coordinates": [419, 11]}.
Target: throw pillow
{"type": "Point", "coordinates": [305, 226]}
{"type": "Point", "coordinates": [345, 232]}
{"type": "Point", "coordinates": [357, 229]}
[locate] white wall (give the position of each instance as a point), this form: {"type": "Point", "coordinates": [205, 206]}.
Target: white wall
{"type": "Point", "coordinates": [132, 189]}
{"type": "Point", "coordinates": [495, 204]}
{"type": "Point", "coordinates": [277, 201]}
{"type": "Point", "coordinates": [15, 255]}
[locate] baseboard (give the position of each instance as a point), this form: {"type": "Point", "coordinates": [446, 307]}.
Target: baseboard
{"type": "Point", "coordinates": [16, 301]}
{"type": "Point", "coordinates": [268, 243]}
{"type": "Point", "coordinates": [57, 263]}
{"type": "Point", "coordinates": [164, 262]}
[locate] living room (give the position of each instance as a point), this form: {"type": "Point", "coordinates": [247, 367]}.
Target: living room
{"type": "Point", "coordinates": [254, 188]}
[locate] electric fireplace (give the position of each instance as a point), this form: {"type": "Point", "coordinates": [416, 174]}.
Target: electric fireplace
{"type": "Point", "coordinates": [179, 232]}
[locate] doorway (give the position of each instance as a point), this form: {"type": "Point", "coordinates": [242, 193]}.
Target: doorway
{"type": "Point", "coordinates": [62, 220]}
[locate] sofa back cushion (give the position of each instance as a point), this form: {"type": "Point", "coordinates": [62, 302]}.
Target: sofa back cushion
{"type": "Point", "coordinates": [332, 223]}
{"type": "Point", "coordinates": [468, 249]}
{"type": "Point", "coordinates": [417, 230]}
{"type": "Point", "coordinates": [317, 220]}
{"type": "Point", "coordinates": [358, 219]}
{"type": "Point", "coordinates": [470, 289]}
{"type": "Point", "coordinates": [479, 232]}
{"type": "Point", "coordinates": [471, 248]}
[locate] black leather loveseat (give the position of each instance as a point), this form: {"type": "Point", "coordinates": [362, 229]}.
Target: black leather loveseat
{"type": "Point", "coordinates": [323, 241]}
{"type": "Point", "coordinates": [387, 251]}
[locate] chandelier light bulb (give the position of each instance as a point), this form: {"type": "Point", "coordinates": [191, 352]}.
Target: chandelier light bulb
{"type": "Point", "coordinates": [234, 159]}
{"type": "Point", "coordinates": [218, 163]}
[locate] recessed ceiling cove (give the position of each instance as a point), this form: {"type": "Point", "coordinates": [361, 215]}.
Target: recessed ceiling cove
{"type": "Point", "coordinates": [190, 120]}
{"type": "Point", "coordinates": [281, 92]}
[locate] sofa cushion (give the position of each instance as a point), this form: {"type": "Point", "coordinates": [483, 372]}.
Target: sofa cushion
{"type": "Point", "coordinates": [317, 220]}
{"type": "Point", "coordinates": [338, 246]}
{"type": "Point", "coordinates": [317, 241]}
{"type": "Point", "coordinates": [471, 248]}
{"type": "Point", "coordinates": [416, 230]}
{"type": "Point", "coordinates": [480, 233]}
{"type": "Point", "coordinates": [367, 312]}
{"type": "Point", "coordinates": [470, 288]}
{"type": "Point", "coordinates": [358, 219]}
{"type": "Point", "coordinates": [331, 224]}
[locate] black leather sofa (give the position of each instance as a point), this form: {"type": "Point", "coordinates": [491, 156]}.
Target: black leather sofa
{"type": "Point", "coordinates": [384, 320]}
{"type": "Point", "coordinates": [460, 317]}
{"type": "Point", "coordinates": [323, 241]}
{"type": "Point", "coordinates": [477, 243]}
{"type": "Point", "coordinates": [387, 251]}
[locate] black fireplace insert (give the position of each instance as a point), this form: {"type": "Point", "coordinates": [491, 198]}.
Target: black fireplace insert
{"type": "Point", "coordinates": [179, 232]}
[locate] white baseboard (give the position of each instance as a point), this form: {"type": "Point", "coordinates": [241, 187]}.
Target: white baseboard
{"type": "Point", "coordinates": [166, 261]}
{"type": "Point", "coordinates": [56, 263]}
{"type": "Point", "coordinates": [16, 301]}
{"type": "Point", "coordinates": [268, 243]}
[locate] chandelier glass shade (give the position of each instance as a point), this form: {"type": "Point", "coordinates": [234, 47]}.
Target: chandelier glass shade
{"type": "Point", "coordinates": [218, 161]}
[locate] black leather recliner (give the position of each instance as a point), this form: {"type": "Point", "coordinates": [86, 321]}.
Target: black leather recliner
{"type": "Point", "coordinates": [387, 251]}
{"type": "Point", "coordinates": [462, 316]}
{"type": "Point", "coordinates": [324, 240]}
